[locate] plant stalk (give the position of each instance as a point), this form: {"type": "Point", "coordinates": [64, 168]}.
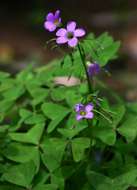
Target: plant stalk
{"type": "Point", "coordinates": [85, 68]}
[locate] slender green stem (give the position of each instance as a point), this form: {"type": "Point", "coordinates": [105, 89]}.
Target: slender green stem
{"type": "Point", "coordinates": [103, 116]}
{"type": "Point", "coordinates": [84, 65]}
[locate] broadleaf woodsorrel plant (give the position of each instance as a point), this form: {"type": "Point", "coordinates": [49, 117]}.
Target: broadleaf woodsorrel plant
{"type": "Point", "coordinates": [70, 134]}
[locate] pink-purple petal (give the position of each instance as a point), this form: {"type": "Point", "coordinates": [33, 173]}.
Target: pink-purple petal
{"type": "Point", "coordinates": [79, 32]}
{"type": "Point", "coordinates": [61, 40]}
{"type": "Point", "coordinates": [50, 17]}
{"type": "Point", "coordinates": [78, 107]}
{"type": "Point", "coordinates": [93, 69]}
{"type": "Point", "coordinates": [79, 117]}
{"type": "Point", "coordinates": [89, 107]}
{"type": "Point", "coordinates": [57, 14]}
{"type": "Point", "coordinates": [89, 115]}
{"type": "Point", "coordinates": [50, 26]}
{"type": "Point", "coordinates": [61, 32]}
{"type": "Point", "coordinates": [71, 26]}
{"type": "Point", "coordinates": [59, 19]}
{"type": "Point", "coordinates": [73, 42]}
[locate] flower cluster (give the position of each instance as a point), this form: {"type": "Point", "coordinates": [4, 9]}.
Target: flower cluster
{"type": "Point", "coordinates": [68, 35]}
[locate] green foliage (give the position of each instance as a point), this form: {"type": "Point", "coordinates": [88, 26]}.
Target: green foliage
{"type": "Point", "coordinates": [101, 49]}
{"type": "Point", "coordinates": [53, 150]}
{"type": "Point", "coordinates": [44, 147]}
{"type": "Point", "coordinates": [78, 147]}
{"type": "Point", "coordinates": [121, 182]}
{"type": "Point", "coordinates": [128, 128]}
{"type": "Point", "coordinates": [21, 174]}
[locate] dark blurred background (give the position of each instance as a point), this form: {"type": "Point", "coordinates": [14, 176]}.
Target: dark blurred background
{"type": "Point", "coordinates": [23, 38]}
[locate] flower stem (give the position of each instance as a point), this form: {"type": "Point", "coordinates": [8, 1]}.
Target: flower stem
{"type": "Point", "coordinates": [103, 115]}
{"type": "Point", "coordinates": [84, 65]}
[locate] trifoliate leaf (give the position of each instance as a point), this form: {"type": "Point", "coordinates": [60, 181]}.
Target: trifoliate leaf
{"type": "Point", "coordinates": [32, 136]}
{"type": "Point", "coordinates": [21, 174]}
{"type": "Point", "coordinates": [79, 145]}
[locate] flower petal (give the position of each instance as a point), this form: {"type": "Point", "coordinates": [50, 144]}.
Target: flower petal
{"type": "Point", "coordinates": [79, 117]}
{"type": "Point", "coordinates": [57, 14]}
{"type": "Point", "coordinates": [50, 17]}
{"type": "Point", "coordinates": [61, 32]}
{"type": "Point", "coordinates": [59, 20]}
{"type": "Point", "coordinates": [61, 40]}
{"type": "Point", "coordinates": [73, 42]}
{"type": "Point", "coordinates": [89, 115]}
{"type": "Point", "coordinates": [50, 26]}
{"type": "Point", "coordinates": [79, 32]}
{"type": "Point", "coordinates": [93, 69]}
{"type": "Point", "coordinates": [97, 68]}
{"type": "Point", "coordinates": [71, 26]}
{"type": "Point", "coordinates": [78, 107]}
{"type": "Point", "coordinates": [89, 107]}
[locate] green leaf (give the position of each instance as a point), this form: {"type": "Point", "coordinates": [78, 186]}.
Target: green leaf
{"type": "Point", "coordinates": [10, 187]}
{"type": "Point", "coordinates": [25, 75]}
{"type": "Point", "coordinates": [35, 119]}
{"type": "Point", "coordinates": [72, 98]}
{"type": "Point", "coordinates": [100, 182]}
{"type": "Point", "coordinates": [121, 182]}
{"type": "Point", "coordinates": [87, 187]}
{"type": "Point", "coordinates": [70, 133]}
{"type": "Point", "coordinates": [53, 111]}
{"type": "Point", "coordinates": [108, 48]}
{"type": "Point", "coordinates": [58, 94]}
{"type": "Point", "coordinates": [47, 71]}
{"type": "Point", "coordinates": [21, 174]}
{"type": "Point", "coordinates": [1, 117]}
{"type": "Point", "coordinates": [7, 84]}
{"type": "Point", "coordinates": [132, 107]}
{"type": "Point", "coordinates": [14, 92]}
{"type": "Point", "coordinates": [42, 176]}
{"type": "Point", "coordinates": [22, 153]}
{"type": "Point", "coordinates": [24, 113]}
{"type": "Point", "coordinates": [3, 75]}
{"type": "Point", "coordinates": [53, 152]}
{"type": "Point", "coordinates": [4, 128]}
{"type": "Point", "coordinates": [52, 125]}
{"type": "Point", "coordinates": [32, 136]}
{"type": "Point", "coordinates": [2, 167]}
{"type": "Point", "coordinates": [125, 180]}
{"type": "Point", "coordinates": [56, 113]}
{"type": "Point", "coordinates": [105, 134]}
{"type": "Point", "coordinates": [46, 187]}
{"type": "Point", "coordinates": [68, 171]}
{"type": "Point", "coordinates": [101, 49]}
{"type": "Point", "coordinates": [108, 53]}
{"type": "Point", "coordinates": [83, 88]}
{"type": "Point", "coordinates": [58, 178]}
{"type": "Point", "coordinates": [39, 94]}
{"type": "Point", "coordinates": [119, 112]}
{"type": "Point", "coordinates": [31, 118]}
{"type": "Point", "coordinates": [128, 128]}
{"type": "Point", "coordinates": [73, 127]}
{"type": "Point", "coordinates": [5, 105]}
{"type": "Point", "coordinates": [78, 147]}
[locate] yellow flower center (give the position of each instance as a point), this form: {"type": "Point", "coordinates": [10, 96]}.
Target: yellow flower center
{"type": "Point", "coordinates": [82, 113]}
{"type": "Point", "coordinates": [56, 22]}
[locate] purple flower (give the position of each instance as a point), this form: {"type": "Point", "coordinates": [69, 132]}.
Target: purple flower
{"type": "Point", "coordinates": [70, 34]}
{"type": "Point", "coordinates": [52, 21]}
{"type": "Point", "coordinates": [93, 69]}
{"type": "Point", "coordinates": [84, 111]}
